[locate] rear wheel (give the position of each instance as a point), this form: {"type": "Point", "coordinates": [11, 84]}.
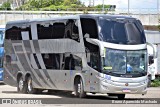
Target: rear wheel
{"type": "Point", "coordinates": [30, 88]}
{"type": "Point", "coordinates": [79, 88]}
{"type": "Point", "coordinates": [21, 85]}
{"type": "Point", "coordinates": [121, 96]}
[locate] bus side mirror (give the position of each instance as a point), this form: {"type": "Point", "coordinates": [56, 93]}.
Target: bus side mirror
{"type": "Point", "coordinates": [155, 53]}
{"type": "Point", "coordinates": [151, 60]}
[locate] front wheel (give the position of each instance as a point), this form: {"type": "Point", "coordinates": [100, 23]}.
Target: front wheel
{"type": "Point", "coordinates": [79, 88]}
{"type": "Point", "coordinates": [30, 88]}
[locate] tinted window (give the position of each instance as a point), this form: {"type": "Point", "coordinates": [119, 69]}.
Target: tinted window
{"type": "Point", "coordinates": [57, 30]}
{"type": "Point", "coordinates": [14, 33]}
{"type": "Point", "coordinates": [51, 61]}
{"type": "Point", "coordinates": [92, 54]}
{"type": "Point", "coordinates": [89, 26]}
{"type": "Point", "coordinates": [71, 30]}
{"type": "Point", "coordinates": [51, 31]}
{"type": "Point", "coordinates": [72, 62]}
{"type": "Point", "coordinates": [121, 31]}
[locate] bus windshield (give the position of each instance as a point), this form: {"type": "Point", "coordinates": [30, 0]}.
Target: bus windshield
{"type": "Point", "coordinates": [121, 31]}
{"type": "Point", "coordinates": [122, 62]}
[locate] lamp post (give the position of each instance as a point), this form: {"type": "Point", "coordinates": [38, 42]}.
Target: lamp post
{"type": "Point", "coordinates": [103, 6]}
{"type": "Point", "coordinates": [158, 8]}
{"type": "Point", "coordinates": [128, 7]}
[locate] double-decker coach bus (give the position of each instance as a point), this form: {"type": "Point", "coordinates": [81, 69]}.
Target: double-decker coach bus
{"type": "Point", "coordinates": [81, 53]}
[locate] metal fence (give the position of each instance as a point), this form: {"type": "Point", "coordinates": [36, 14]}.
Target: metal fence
{"type": "Point", "coordinates": [147, 16]}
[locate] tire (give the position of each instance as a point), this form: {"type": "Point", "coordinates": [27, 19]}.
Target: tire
{"type": "Point", "coordinates": [30, 89]}
{"type": "Point", "coordinates": [38, 91]}
{"type": "Point", "coordinates": [79, 89]}
{"type": "Point", "coordinates": [21, 85]}
{"type": "Point", "coordinates": [111, 94]}
{"type": "Point", "coordinates": [53, 91]}
{"type": "Point", "coordinates": [121, 96]}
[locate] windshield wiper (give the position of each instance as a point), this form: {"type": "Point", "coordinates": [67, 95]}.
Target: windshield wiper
{"type": "Point", "coordinates": [106, 71]}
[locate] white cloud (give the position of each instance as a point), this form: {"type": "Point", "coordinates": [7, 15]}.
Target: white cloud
{"type": "Point", "coordinates": [138, 4]}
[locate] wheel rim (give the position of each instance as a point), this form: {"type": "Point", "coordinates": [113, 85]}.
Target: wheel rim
{"type": "Point", "coordinates": [29, 85]}
{"type": "Point", "coordinates": [20, 84]}
{"type": "Point", "coordinates": [79, 88]}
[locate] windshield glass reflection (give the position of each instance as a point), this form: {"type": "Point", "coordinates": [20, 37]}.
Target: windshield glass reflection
{"type": "Point", "coordinates": [124, 62]}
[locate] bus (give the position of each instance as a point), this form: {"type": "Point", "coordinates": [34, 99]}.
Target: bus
{"type": "Point", "coordinates": [81, 53]}
{"type": "Point", "coordinates": [2, 28]}
{"type": "Point", "coordinates": [154, 67]}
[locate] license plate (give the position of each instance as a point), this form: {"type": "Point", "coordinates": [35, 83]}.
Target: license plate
{"type": "Point", "coordinates": [126, 90]}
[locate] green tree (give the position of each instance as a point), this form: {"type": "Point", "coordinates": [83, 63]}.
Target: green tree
{"type": "Point", "coordinates": [69, 2]}
{"type": "Point", "coordinates": [6, 6]}
{"type": "Point", "coordinates": [101, 6]}
{"type": "Point", "coordinates": [51, 4]}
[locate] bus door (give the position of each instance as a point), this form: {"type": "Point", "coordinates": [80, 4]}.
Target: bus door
{"type": "Point", "coordinates": [71, 64]}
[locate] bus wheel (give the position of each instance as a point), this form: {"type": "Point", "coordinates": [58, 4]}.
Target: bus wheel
{"type": "Point", "coordinates": [30, 88]}
{"type": "Point", "coordinates": [22, 85]}
{"type": "Point", "coordinates": [121, 96]}
{"type": "Point", "coordinates": [79, 88]}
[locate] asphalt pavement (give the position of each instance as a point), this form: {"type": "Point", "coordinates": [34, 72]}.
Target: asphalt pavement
{"type": "Point", "coordinates": [66, 99]}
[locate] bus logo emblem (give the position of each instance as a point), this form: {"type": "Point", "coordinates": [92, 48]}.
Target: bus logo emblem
{"type": "Point", "coordinates": [126, 84]}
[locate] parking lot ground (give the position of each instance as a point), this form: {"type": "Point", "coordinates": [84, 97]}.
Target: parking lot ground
{"type": "Point", "coordinates": [68, 100]}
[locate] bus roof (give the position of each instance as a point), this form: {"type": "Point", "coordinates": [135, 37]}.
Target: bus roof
{"type": "Point", "coordinates": [106, 16]}
{"type": "Point", "coordinates": [94, 16]}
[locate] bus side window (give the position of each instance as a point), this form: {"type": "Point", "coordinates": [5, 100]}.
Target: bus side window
{"type": "Point", "coordinates": [73, 62]}
{"type": "Point", "coordinates": [44, 31]}
{"type": "Point", "coordinates": [13, 33]}
{"type": "Point", "coordinates": [71, 30]}
{"type": "Point", "coordinates": [92, 54]}
{"type": "Point", "coordinates": [51, 61]}
{"type": "Point", "coordinates": [58, 30]}
{"type": "Point", "coordinates": [89, 26]}
{"type": "Point", "coordinates": [51, 31]}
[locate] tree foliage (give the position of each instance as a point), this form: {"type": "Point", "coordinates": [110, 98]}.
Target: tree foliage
{"type": "Point", "coordinates": [101, 6]}
{"type": "Point", "coordinates": [51, 4]}
{"type": "Point", "coordinates": [54, 5]}
{"type": "Point", "coordinates": [5, 6]}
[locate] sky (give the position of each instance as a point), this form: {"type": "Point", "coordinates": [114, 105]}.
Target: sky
{"type": "Point", "coordinates": [135, 4]}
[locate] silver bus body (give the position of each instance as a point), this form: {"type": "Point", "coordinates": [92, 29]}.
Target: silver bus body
{"type": "Point", "coordinates": [43, 50]}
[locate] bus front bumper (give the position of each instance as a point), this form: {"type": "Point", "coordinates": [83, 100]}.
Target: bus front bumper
{"type": "Point", "coordinates": [123, 88]}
